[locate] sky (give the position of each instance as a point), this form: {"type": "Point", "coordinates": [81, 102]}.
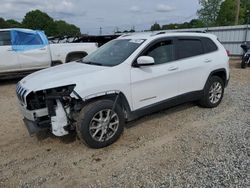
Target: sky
{"type": "Point", "coordinates": [111, 15]}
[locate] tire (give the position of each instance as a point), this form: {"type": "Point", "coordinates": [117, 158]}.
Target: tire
{"type": "Point", "coordinates": [212, 98]}
{"type": "Point", "coordinates": [90, 118]}
{"type": "Point", "coordinates": [55, 63]}
{"type": "Point", "coordinates": [243, 64]}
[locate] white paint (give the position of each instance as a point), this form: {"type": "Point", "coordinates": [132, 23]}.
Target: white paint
{"type": "Point", "coordinates": [60, 120]}
{"type": "Point", "coordinates": [141, 86]}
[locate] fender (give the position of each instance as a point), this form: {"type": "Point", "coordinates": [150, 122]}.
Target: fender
{"type": "Point", "coordinates": [112, 94]}
{"type": "Point", "coordinates": [222, 73]}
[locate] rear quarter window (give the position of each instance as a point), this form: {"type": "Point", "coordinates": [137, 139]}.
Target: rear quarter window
{"type": "Point", "coordinates": [189, 47]}
{"type": "Point", "coordinates": [209, 45]}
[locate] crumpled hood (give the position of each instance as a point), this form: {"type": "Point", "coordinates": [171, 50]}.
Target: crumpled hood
{"type": "Point", "coordinates": [57, 76]}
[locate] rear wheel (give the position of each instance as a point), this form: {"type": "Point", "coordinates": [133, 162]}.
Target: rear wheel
{"type": "Point", "coordinates": [213, 92]}
{"type": "Point", "coordinates": [100, 124]}
{"type": "Point", "coordinates": [243, 64]}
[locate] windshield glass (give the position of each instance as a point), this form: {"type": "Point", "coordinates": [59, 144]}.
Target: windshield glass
{"type": "Point", "coordinates": [113, 53]}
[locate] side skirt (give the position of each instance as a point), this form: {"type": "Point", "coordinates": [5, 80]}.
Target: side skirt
{"type": "Point", "coordinates": [188, 97]}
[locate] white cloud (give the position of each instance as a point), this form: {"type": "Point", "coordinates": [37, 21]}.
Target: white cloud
{"type": "Point", "coordinates": [90, 15]}
{"type": "Point", "coordinates": [134, 9]}
{"type": "Point", "coordinates": [164, 8]}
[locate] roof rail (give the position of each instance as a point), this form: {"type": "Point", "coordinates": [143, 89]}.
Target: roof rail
{"type": "Point", "coordinates": [125, 35]}
{"type": "Point", "coordinates": [188, 31]}
{"type": "Point", "coordinates": [159, 33]}
{"type": "Point", "coordinates": [204, 31]}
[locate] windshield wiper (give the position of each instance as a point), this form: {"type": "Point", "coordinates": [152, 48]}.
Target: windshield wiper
{"type": "Point", "coordinates": [89, 62]}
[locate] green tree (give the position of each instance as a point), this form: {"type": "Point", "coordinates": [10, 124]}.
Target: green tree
{"type": "Point", "coordinates": [3, 24]}
{"type": "Point", "coordinates": [170, 26]}
{"type": "Point", "coordinates": [196, 23]}
{"type": "Point", "coordinates": [209, 11]}
{"type": "Point", "coordinates": [228, 11]}
{"type": "Point", "coordinates": [245, 4]}
{"type": "Point", "coordinates": [13, 23]}
{"type": "Point", "coordinates": [41, 21]}
{"type": "Point", "coordinates": [155, 27]}
{"type": "Point", "coordinates": [63, 28]}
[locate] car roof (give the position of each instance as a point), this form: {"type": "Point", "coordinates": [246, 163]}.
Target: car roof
{"type": "Point", "coordinates": [155, 35]}
{"type": "Point", "coordinates": [16, 29]}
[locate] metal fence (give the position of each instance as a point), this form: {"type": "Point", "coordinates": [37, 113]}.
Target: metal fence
{"type": "Point", "coordinates": [230, 36]}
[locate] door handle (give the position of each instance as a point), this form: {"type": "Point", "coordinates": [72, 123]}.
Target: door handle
{"type": "Point", "coordinates": [173, 68]}
{"type": "Point", "coordinates": [208, 61]}
{"type": "Point", "coordinates": [10, 50]}
{"type": "Point", "coordinates": [42, 49]}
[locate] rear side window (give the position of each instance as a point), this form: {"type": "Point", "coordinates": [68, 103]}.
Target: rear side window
{"type": "Point", "coordinates": [189, 48]}
{"type": "Point", "coordinates": [5, 39]}
{"type": "Point", "coordinates": [209, 45]}
{"type": "Point", "coordinates": [23, 38]}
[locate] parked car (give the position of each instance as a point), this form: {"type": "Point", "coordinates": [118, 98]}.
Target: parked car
{"type": "Point", "coordinates": [24, 50]}
{"type": "Point", "coordinates": [128, 77]}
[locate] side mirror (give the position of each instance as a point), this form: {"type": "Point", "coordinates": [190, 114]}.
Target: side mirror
{"type": "Point", "coordinates": [145, 60]}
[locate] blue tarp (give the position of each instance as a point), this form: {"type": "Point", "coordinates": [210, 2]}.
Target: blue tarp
{"type": "Point", "coordinates": [23, 40]}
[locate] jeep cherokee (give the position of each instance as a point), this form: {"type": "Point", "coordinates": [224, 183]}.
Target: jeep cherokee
{"type": "Point", "coordinates": [128, 77]}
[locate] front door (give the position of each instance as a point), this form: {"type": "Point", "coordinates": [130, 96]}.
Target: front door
{"type": "Point", "coordinates": [155, 83]}
{"type": "Point", "coordinates": [8, 57]}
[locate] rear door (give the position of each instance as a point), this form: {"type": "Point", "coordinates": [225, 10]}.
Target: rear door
{"type": "Point", "coordinates": [193, 64]}
{"type": "Point", "coordinates": [33, 53]}
{"type": "Point", "coordinates": [8, 57]}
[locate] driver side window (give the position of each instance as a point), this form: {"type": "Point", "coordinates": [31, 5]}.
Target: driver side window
{"type": "Point", "coordinates": [162, 52]}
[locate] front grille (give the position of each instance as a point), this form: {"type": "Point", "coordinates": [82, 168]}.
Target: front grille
{"type": "Point", "coordinates": [20, 91]}
{"type": "Point", "coordinates": [35, 100]}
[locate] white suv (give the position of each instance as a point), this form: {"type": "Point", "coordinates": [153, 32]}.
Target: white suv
{"type": "Point", "coordinates": [128, 77]}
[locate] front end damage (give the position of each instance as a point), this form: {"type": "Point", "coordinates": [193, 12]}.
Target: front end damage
{"type": "Point", "coordinates": [51, 109]}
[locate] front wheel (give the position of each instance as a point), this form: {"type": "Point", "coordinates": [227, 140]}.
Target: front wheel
{"type": "Point", "coordinates": [213, 92]}
{"type": "Point", "coordinates": [100, 124]}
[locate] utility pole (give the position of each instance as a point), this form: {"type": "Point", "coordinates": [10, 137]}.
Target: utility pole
{"type": "Point", "coordinates": [100, 31]}
{"type": "Point", "coordinates": [237, 12]}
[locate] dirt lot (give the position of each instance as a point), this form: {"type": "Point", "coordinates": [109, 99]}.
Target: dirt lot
{"type": "Point", "coordinates": [185, 146]}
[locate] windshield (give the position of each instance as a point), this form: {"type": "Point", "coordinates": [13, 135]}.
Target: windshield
{"type": "Point", "coordinates": [113, 53]}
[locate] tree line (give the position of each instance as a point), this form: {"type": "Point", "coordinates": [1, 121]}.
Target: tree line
{"type": "Point", "coordinates": [214, 13]}
{"type": "Point", "coordinates": [39, 20]}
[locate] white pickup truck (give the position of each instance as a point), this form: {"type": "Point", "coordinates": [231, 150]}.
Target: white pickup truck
{"type": "Point", "coordinates": [25, 50]}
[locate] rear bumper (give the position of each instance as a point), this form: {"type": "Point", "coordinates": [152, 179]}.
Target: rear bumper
{"type": "Point", "coordinates": [34, 127]}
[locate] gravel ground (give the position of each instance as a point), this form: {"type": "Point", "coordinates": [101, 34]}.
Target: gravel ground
{"type": "Point", "coordinates": [185, 146]}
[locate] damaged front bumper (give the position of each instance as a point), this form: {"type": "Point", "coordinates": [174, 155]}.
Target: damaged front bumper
{"type": "Point", "coordinates": [47, 109]}
{"type": "Point", "coordinates": [35, 120]}
{"type": "Point", "coordinates": [39, 120]}
{"type": "Point", "coordinates": [34, 127]}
